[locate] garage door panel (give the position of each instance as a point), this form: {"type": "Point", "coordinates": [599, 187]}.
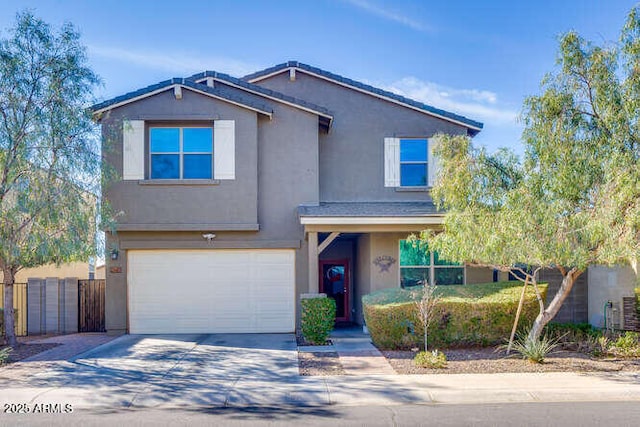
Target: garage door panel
{"type": "Point", "coordinates": [186, 291]}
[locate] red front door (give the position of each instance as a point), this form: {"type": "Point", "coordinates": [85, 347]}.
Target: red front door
{"type": "Point", "coordinates": [334, 281]}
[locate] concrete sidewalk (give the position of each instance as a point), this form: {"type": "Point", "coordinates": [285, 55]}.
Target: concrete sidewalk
{"type": "Point", "coordinates": [217, 371]}
{"type": "Point", "coordinates": [321, 391]}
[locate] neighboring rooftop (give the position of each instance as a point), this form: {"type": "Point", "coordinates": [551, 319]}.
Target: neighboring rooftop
{"type": "Point", "coordinates": [473, 126]}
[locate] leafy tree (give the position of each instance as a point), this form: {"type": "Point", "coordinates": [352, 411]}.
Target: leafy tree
{"type": "Point", "coordinates": [49, 156]}
{"type": "Point", "coordinates": [574, 200]}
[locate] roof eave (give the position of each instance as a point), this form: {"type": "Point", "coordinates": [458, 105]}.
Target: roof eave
{"type": "Point", "coordinates": [435, 219]}
{"type": "Point", "coordinates": [200, 77]}
{"type": "Point", "coordinates": [474, 128]}
{"type": "Point", "coordinates": [108, 105]}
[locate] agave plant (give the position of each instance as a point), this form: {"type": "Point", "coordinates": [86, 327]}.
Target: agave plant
{"type": "Point", "coordinates": [4, 354]}
{"type": "Point", "coordinates": [535, 350]}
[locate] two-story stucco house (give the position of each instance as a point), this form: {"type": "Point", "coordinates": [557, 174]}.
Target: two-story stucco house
{"type": "Point", "coordinates": [240, 194]}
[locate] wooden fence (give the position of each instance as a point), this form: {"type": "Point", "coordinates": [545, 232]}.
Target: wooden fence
{"type": "Point", "coordinates": [91, 305]}
{"type": "Point", "coordinates": [19, 305]}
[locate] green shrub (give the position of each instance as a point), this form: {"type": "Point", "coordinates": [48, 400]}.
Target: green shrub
{"type": "Point", "coordinates": [318, 316]}
{"type": "Point", "coordinates": [481, 314]}
{"type": "Point", "coordinates": [431, 359]}
{"type": "Point", "coordinates": [627, 345]}
{"type": "Point", "coordinates": [534, 350]}
{"type": "Point", "coordinates": [4, 354]}
{"type": "Point", "coordinates": [637, 292]}
{"type": "Point", "coordinates": [575, 336]}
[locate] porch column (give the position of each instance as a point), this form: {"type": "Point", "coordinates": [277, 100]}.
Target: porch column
{"type": "Point", "coordinates": [313, 262]}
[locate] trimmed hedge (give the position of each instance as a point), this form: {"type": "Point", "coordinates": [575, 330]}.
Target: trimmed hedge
{"type": "Point", "coordinates": [480, 314]}
{"type": "Point", "coordinates": [317, 319]}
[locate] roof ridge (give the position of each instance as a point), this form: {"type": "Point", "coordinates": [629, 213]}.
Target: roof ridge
{"type": "Point", "coordinates": [262, 90]}
{"type": "Point", "coordinates": [366, 87]}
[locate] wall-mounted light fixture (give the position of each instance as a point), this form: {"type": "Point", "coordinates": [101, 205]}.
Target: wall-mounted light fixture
{"type": "Point", "coordinates": [114, 254]}
{"type": "Point", "coordinates": [209, 237]}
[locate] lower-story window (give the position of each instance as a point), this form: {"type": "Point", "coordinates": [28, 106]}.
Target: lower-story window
{"type": "Point", "coordinates": [419, 266]}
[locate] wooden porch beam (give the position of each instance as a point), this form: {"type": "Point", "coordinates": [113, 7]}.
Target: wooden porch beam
{"type": "Point", "coordinates": [326, 242]}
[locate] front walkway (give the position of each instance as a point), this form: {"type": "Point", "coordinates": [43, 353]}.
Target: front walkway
{"type": "Point", "coordinates": [357, 355]}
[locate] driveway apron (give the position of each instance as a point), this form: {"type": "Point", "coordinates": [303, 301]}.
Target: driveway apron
{"type": "Point", "coordinates": [152, 370]}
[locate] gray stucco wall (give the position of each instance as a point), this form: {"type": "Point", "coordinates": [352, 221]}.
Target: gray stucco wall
{"type": "Point", "coordinates": [352, 152]}
{"type": "Point", "coordinates": [276, 171]}
{"type": "Point", "coordinates": [281, 163]}
{"type": "Point", "coordinates": [609, 284]}
{"type": "Point", "coordinates": [155, 202]}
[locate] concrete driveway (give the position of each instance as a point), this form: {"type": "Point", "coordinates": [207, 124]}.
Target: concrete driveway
{"type": "Point", "coordinates": [151, 370]}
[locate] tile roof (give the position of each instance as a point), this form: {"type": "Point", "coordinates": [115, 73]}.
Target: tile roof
{"type": "Point", "coordinates": [369, 209]}
{"type": "Point", "coordinates": [472, 124]}
{"type": "Point", "coordinates": [262, 91]}
{"type": "Point", "coordinates": [234, 97]}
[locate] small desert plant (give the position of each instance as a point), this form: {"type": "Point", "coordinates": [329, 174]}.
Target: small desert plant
{"type": "Point", "coordinates": [534, 350]}
{"type": "Point", "coordinates": [601, 346]}
{"type": "Point", "coordinates": [426, 302]}
{"type": "Point", "coordinates": [4, 354]}
{"type": "Point", "coordinates": [580, 337]}
{"type": "Point", "coordinates": [431, 359]}
{"type": "Point", "coordinates": [318, 316]}
{"type": "Point", "coordinates": [627, 345]}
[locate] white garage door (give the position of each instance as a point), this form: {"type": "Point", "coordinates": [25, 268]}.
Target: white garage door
{"type": "Point", "coordinates": [211, 291]}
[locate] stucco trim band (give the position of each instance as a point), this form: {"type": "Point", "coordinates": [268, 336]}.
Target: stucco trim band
{"type": "Point", "coordinates": [187, 227]}
{"type": "Point", "coordinates": [215, 244]}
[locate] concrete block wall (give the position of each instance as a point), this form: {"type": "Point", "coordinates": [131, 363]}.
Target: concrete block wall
{"type": "Point", "coordinates": [52, 306]}
{"type": "Point", "coordinates": [35, 302]}
{"type": "Point", "coordinates": [575, 308]}
{"type": "Point", "coordinates": [68, 305]}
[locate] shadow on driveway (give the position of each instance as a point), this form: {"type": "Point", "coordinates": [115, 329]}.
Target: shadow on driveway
{"type": "Point", "coordinates": [248, 370]}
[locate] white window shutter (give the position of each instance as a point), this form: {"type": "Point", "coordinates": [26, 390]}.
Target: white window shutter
{"type": "Point", "coordinates": [391, 162]}
{"type": "Point", "coordinates": [224, 149]}
{"type": "Point", "coordinates": [432, 165]}
{"type": "Point", "coordinates": [133, 149]}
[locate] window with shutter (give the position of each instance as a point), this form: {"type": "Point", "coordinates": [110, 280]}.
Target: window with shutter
{"type": "Point", "coordinates": [133, 150]}
{"type": "Point", "coordinates": [409, 162]}
{"type": "Point", "coordinates": [181, 153]}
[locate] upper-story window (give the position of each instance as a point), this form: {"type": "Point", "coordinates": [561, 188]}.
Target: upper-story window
{"type": "Point", "coordinates": [413, 162]}
{"type": "Point", "coordinates": [409, 163]}
{"type": "Point", "coordinates": [181, 153]}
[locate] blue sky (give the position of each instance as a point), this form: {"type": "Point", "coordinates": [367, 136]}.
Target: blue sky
{"type": "Point", "coordinates": [475, 58]}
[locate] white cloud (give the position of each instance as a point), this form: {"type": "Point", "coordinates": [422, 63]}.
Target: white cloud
{"type": "Point", "coordinates": [389, 15]}
{"type": "Point", "coordinates": [475, 104]}
{"type": "Point", "coordinates": [180, 64]}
